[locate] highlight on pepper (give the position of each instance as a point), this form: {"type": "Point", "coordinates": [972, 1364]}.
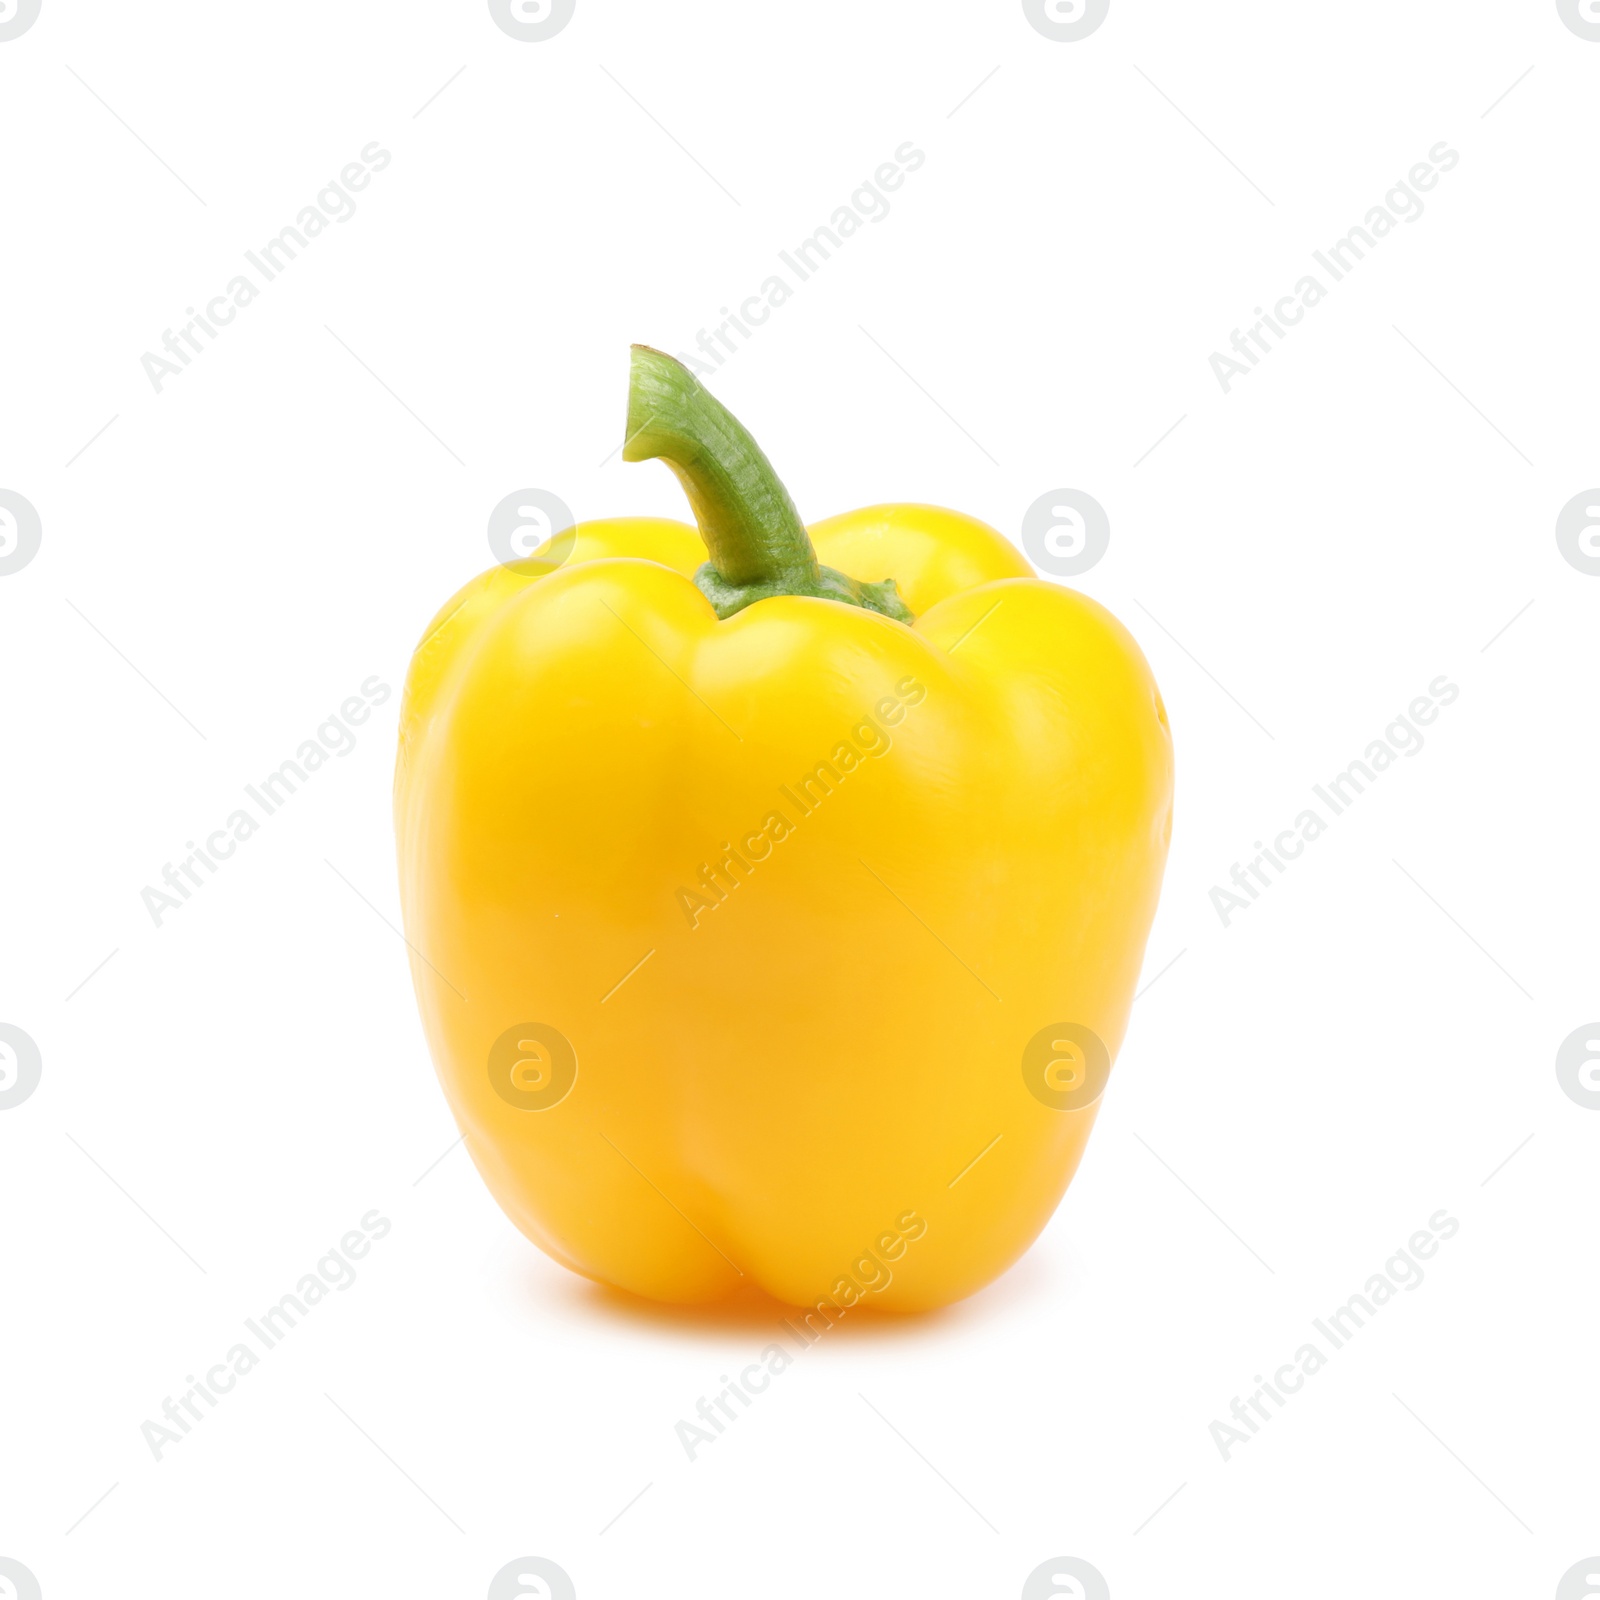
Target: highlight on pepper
{"type": "Point", "coordinates": [776, 894]}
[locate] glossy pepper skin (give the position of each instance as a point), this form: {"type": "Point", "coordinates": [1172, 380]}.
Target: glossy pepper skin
{"type": "Point", "coordinates": [778, 891]}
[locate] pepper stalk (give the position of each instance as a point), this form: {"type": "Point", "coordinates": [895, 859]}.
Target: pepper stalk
{"type": "Point", "coordinates": [759, 547]}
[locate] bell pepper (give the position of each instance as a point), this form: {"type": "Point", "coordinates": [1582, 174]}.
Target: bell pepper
{"type": "Point", "coordinates": [775, 917]}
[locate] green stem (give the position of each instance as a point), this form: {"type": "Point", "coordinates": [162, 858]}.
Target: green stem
{"type": "Point", "coordinates": [758, 545]}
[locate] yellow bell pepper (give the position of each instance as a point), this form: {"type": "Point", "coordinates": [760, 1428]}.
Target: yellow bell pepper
{"type": "Point", "coordinates": [774, 927]}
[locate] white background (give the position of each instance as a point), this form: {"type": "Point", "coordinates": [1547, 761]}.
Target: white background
{"type": "Point", "coordinates": [228, 1094]}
